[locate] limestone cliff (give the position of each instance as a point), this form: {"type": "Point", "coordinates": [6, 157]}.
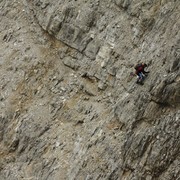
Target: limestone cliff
{"type": "Point", "coordinates": [69, 108]}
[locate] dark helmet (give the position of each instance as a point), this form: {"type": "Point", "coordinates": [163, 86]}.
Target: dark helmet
{"type": "Point", "coordinates": [144, 64]}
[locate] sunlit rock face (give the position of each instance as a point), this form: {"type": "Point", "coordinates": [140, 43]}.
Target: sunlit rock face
{"type": "Point", "coordinates": [70, 107]}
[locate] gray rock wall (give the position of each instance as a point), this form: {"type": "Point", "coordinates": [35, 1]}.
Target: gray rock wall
{"type": "Point", "coordinates": [69, 108]}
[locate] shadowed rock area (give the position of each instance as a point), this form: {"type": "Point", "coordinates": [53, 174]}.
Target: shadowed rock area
{"type": "Point", "coordinates": [69, 108]}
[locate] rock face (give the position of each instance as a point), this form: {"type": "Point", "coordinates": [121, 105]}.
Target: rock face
{"type": "Point", "coordinates": [69, 108]}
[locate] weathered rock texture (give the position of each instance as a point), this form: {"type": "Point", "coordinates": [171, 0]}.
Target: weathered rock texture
{"type": "Point", "coordinates": [69, 108]}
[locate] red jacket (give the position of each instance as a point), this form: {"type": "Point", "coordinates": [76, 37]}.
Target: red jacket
{"type": "Point", "coordinates": [140, 69]}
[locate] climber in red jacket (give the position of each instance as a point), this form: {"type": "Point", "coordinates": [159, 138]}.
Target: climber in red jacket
{"type": "Point", "coordinates": [140, 72]}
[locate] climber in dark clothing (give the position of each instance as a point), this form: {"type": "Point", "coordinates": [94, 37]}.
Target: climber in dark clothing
{"type": "Point", "coordinates": [140, 72]}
